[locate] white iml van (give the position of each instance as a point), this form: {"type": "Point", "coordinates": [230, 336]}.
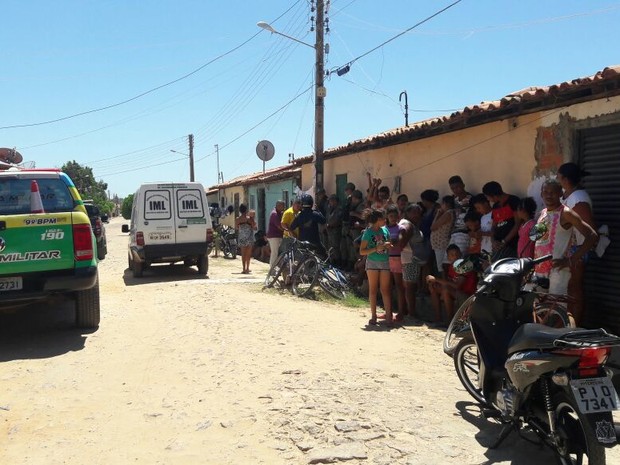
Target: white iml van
{"type": "Point", "coordinates": [170, 223]}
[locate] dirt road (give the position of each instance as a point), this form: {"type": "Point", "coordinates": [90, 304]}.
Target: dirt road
{"type": "Point", "coordinates": [185, 370]}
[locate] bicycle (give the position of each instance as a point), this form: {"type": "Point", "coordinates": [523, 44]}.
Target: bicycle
{"type": "Point", "coordinates": [317, 270]}
{"type": "Point", "coordinates": [282, 271]}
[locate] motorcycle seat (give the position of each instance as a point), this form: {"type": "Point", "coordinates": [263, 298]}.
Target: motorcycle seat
{"type": "Point", "coordinates": [532, 336]}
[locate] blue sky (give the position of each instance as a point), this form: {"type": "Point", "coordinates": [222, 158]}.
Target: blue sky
{"type": "Point", "coordinates": [65, 57]}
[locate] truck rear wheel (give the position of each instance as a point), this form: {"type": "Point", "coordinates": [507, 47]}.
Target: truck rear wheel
{"type": "Point", "coordinates": [87, 307]}
{"type": "Point", "coordinates": [203, 264]}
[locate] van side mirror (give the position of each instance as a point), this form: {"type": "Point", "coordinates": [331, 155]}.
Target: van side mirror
{"type": "Point", "coordinates": [125, 228]}
{"type": "Point", "coordinates": [105, 218]}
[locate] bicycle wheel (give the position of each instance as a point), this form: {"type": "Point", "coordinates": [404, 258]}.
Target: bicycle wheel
{"type": "Point", "coordinates": [275, 272]}
{"type": "Point", "coordinates": [305, 276]}
{"type": "Point", "coordinates": [333, 281]}
{"type": "Point", "coordinates": [459, 327]}
{"type": "Point", "coordinates": [552, 315]}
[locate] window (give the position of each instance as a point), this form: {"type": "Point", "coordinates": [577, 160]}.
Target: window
{"type": "Point", "coordinates": [15, 195]}
{"type": "Point", "coordinates": [285, 198]}
{"type": "Point", "coordinates": [252, 202]}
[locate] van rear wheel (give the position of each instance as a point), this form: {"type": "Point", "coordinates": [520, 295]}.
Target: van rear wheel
{"type": "Point", "coordinates": [137, 268]}
{"type": "Point", "coordinates": [203, 264]}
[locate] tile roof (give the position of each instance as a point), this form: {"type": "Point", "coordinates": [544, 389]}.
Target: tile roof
{"type": "Point", "coordinates": [270, 175]}
{"type": "Point", "coordinates": [604, 83]}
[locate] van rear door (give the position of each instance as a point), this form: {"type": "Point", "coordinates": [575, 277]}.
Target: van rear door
{"type": "Point", "coordinates": [159, 224]}
{"type": "Point", "coordinates": [191, 214]}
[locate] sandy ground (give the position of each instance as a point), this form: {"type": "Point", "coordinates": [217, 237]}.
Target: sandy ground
{"type": "Point", "coordinates": [187, 370]}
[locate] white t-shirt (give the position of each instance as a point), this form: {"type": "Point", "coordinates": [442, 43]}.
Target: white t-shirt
{"type": "Point", "coordinates": [578, 196]}
{"type": "Point", "coordinates": [486, 224]}
{"type": "Point", "coordinates": [406, 254]}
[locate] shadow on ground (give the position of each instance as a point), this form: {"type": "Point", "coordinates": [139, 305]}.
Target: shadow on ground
{"type": "Point", "coordinates": [162, 274]}
{"type": "Point", "coordinates": [41, 330]}
{"type": "Point", "coordinates": [514, 450]}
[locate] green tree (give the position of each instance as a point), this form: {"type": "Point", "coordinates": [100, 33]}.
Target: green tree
{"type": "Point", "coordinates": [126, 207]}
{"type": "Point", "coordinates": [88, 187]}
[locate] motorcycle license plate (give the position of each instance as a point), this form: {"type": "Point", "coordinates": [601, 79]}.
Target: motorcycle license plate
{"type": "Point", "coordinates": [595, 395]}
{"type": "Point", "coordinates": [11, 284]}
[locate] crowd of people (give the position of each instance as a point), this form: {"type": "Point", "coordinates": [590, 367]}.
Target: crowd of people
{"type": "Point", "coordinates": [404, 247]}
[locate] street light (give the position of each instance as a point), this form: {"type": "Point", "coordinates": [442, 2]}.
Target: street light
{"type": "Point", "coordinates": [191, 162]}
{"type": "Point", "coordinates": [320, 91]}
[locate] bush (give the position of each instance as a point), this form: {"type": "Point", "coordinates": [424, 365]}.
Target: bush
{"type": "Point", "coordinates": [126, 207]}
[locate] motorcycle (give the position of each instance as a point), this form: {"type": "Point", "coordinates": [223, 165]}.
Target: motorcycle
{"type": "Point", "coordinates": [228, 241]}
{"type": "Point", "coordinates": [225, 240]}
{"type": "Point", "coordinates": [553, 381]}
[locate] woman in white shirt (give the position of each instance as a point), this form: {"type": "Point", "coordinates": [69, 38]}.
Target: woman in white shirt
{"type": "Point", "coordinates": [577, 199]}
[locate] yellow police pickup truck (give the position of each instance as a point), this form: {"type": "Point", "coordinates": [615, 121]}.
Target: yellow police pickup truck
{"type": "Point", "coordinates": [47, 246]}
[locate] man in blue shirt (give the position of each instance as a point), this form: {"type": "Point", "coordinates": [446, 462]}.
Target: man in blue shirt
{"type": "Point", "coordinates": [308, 222]}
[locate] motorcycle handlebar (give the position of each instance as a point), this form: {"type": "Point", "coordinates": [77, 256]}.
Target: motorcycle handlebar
{"type": "Point", "coordinates": [544, 258]}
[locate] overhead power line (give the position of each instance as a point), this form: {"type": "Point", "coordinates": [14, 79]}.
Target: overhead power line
{"type": "Point", "coordinates": [150, 91]}
{"type": "Point", "coordinates": [344, 68]}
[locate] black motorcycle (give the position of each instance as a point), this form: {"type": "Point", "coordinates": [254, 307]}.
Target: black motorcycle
{"type": "Point", "coordinates": [550, 380]}
{"type": "Point", "coordinates": [225, 240]}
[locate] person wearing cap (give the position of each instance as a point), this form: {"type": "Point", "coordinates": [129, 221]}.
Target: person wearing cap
{"type": "Point", "coordinates": [308, 222]}
{"type": "Point", "coordinates": [287, 218]}
{"type": "Point", "coordinates": [334, 228]}
{"type": "Point", "coordinates": [576, 198]}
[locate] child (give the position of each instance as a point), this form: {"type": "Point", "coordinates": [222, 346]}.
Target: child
{"type": "Point", "coordinates": [483, 207]}
{"type": "Point", "coordinates": [525, 212]}
{"type": "Point", "coordinates": [472, 222]}
{"type": "Point", "coordinates": [376, 246]}
{"type": "Point", "coordinates": [441, 229]}
{"type": "Point", "coordinates": [452, 288]}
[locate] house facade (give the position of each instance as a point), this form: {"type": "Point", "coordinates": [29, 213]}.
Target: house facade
{"type": "Point", "coordinates": [259, 191]}
{"type": "Point", "coordinates": [518, 141]}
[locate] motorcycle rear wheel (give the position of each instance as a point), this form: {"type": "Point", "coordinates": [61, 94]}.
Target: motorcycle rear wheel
{"type": "Point", "coordinates": [467, 366]}
{"type": "Point", "coordinates": [459, 327]}
{"type": "Point", "coordinates": [229, 250]}
{"type": "Point", "coordinates": [578, 443]}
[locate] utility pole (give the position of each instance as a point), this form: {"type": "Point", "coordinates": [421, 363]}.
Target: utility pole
{"type": "Point", "coordinates": [217, 156]}
{"type": "Point", "coordinates": [319, 97]}
{"type": "Point", "coordinates": [191, 157]}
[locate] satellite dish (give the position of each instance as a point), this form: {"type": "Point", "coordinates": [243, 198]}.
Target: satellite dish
{"type": "Point", "coordinates": [10, 156]}
{"type": "Point", "coordinates": [265, 150]}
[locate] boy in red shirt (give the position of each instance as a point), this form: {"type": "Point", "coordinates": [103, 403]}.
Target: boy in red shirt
{"type": "Point", "coordinates": [448, 290]}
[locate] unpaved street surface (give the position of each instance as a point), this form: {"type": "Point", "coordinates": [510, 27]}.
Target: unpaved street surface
{"type": "Point", "coordinates": [187, 370]}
